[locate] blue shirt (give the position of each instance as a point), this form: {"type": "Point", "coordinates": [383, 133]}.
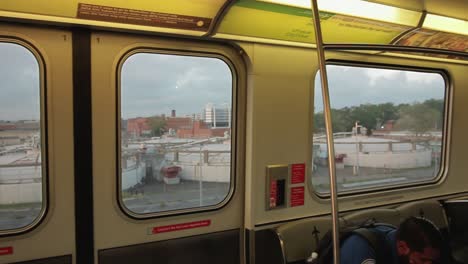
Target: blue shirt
{"type": "Point", "coordinates": [356, 250]}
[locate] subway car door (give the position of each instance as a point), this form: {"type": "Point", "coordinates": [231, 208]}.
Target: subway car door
{"type": "Point", "coordinates": [37, 223]}
{"type": "Point", "coordinates": [167, 132]}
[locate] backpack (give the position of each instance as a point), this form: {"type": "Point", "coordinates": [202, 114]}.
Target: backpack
{"type": "Point", "coordinates": [323, 254]}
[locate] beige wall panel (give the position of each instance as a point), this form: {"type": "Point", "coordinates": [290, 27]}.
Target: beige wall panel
{"type": "Point", "coordinates": [280, 120]}
{"type": "Point", "coordinates": [459, 129]}
{"type": "Point", "coordinates": [55, 236]}
{"type": "Point", "coordinates": [278, 61]}
{"type": "Point", "coordinates": [249, 219]}
{"type": "Point", "coordinates": [112, 227]}
{"type": "Point", "coordinates": [278, 131]}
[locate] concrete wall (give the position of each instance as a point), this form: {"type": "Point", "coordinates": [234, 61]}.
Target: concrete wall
{"type": "Point", "coordinates": [130, 177]}
{"type": "Point", "coordinates": [391, 160]}
{"type": "Point", "coordinates": [190, 172]}
{"type": "Point", "coordinates": [209, 173]}
{"type": "Point", "coordinates": [20, 193]}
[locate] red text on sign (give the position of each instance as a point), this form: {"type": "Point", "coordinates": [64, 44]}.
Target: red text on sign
{"type": "Point", "coordinates": [297, 173]}
{"type": "Point", "coordinates": [6, 251]}
{"type": "Point", "coordinates": [183, 226]}
{"type": "Point", "coordinates": [297, 196]}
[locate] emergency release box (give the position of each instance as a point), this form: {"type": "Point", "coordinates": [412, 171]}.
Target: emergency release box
{"type": "Point", "coordinates": [277, 177]}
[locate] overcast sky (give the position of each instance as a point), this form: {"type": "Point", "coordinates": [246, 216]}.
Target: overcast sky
{"type": "Point", "coordinates": [19, 83]}
{"type": "Point", "coordinates": [352, 86]}
{"type": "Point", "coordinates": [154, 84]}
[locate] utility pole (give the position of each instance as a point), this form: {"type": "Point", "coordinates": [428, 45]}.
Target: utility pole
{"type": "Point", "coordinates": [356, 165]}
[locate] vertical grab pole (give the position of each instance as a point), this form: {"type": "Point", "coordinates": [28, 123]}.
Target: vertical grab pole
{"type": "Point", "coordinates": [328, 127]}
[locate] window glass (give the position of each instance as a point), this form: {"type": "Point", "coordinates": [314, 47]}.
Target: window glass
{"type": "Point", "coordinates": [387, 127]}
{"type": "Point", "coordinates": [175, 132]}
{"type": "Point", "coordinates": [21, 177]}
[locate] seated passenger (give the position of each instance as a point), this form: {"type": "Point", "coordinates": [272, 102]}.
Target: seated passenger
{"type": "Point", "coordinates": [416, 241]}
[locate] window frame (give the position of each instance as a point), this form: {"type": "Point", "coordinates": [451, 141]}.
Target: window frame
{"type": "Point", "coordinates": [211, 53]}
{"type": "Point", "coordinates": [43, 114]}
{"type": "Point", "coordinates": [446, 132]}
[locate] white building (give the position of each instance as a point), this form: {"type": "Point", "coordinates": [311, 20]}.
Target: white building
{"type": "Point", "coordinates": [373, 152]}
{"type": "Point", "coordinates": [217, 116]}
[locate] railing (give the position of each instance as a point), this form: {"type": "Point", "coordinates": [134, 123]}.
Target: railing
{"type": "Point", "coordinates": [391, 146]}
{"type": "Point", "coordinates": [335, 135]}
{"type": "Point", "coordinates": [21, 180]}
{"type": "Point", "coordinates": [200, 157]}
{"type": "Point", "coordinates": [19, 165]}
{"type": "Point", "coordinates": [204, 153]}
{"type": "Point", "coordinates": [20, 173]}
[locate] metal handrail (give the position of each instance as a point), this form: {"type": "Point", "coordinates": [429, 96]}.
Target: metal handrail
{"type": "Point", "coordinates": [329, 131]}
{"type": "Point", "coordinates": [390, 48]}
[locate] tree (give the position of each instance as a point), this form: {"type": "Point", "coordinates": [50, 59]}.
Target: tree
{"type": "Point", "coordinates": [418, 118]}
{"type": "Point", "coordinates": [388, 111]}
{"type": "Point", "coordinates": [158, 125]}
{"type": "Point", "coordinates": [438, 105]}
{"type": "Point", "coordinates": [319, 122]}
{"type": "Point", "coordinates": [341, 121]}
{"type": "Point", "coordinates": [366, 114]}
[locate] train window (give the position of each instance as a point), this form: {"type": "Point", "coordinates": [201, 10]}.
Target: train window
{"type": "Point", "coordinates": [388, 127]}
{"type": "Point", "coordinates": [22, 179]}
{"type": "Point", "coordinates": [175, 133]}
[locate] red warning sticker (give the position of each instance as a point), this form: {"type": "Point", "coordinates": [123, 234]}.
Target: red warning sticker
{"type": "Point", "coordinates": [297, 173]}
{"type": "Point", "coordinates": [178, 227]}
{"type": "Point", "coordinates": [297, 196]}
{"type": "Point", "coordinates": [6, 251]}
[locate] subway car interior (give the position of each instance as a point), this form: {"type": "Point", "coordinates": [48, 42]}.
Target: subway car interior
{"type": "Point", "coordinates": [228, 131]}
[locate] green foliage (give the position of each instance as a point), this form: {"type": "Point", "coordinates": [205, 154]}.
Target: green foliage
{"type": "Point", "coordinates": [437, 105]}
{"type": "Point", "coordinates": [319, 122]}
{"type": "Point", "coordinates": [419, 118]}
{"type": "Point", "coordinates": [416, 117]}
{"type": "Point", "coordinates": [158, 125]}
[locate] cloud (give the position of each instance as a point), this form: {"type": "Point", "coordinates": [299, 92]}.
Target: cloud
{"type": "Point", "coordinates": [20, 85]}
{"type": "Point", "coordinates": [375, 75]}
{"type": "Point", "coordinates": [149, 81]}
{"type": "Point", "coordinates": [155, 84]}
{"type": "Point", "coordinates": [357, 85]}
{"type": "Point", "coordinates": [192, 75]}
{"type": "Point", "coordinates": [424, 77]}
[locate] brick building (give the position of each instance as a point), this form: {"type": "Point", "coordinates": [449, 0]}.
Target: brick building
{"type": "Point", "coordinates": [137, 127]}
{"type": "Point", "coordinates": [201, 130]}
{"type": "Point", "coordinates": [177, 123]}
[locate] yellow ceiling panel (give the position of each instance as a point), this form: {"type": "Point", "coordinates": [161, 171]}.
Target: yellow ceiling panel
{"type": "Point", "coordinates": [359, 8]}
{"type": "Point", "coordinates": [354, 30]}
{"type": "Point", "coordinates": [285, 21]}
{"type": "Point", "coordinates": [189, 14]}
{"type": "Point", "coordinates": [50, 7]}
{"type": "Point", "coordinates": [446, 24]}
{"type": "Point", "coordinates": [252, 22]}
{"type": "Point", "coordinates": [68, 8]}
{"type": "Point", "coordinates": [272, 21]}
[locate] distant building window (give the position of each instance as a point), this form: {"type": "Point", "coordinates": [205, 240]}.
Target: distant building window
{"type": "Point", "coordinates": [217, 116]}
{"type": "Point", "coordinates": [22, 196]}
{"type": "Point", "coordinates": [388, 127]}
{"type": "Point", "coordinates": [175, 133]}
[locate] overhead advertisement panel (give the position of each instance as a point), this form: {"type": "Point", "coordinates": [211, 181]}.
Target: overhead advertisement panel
{"type": "Point", "coordinates": [142, 17]}
{"type": "Point", "coordinates": [428, 38]}
{"type": "Point", "coordinates": [279, 22]}
{"type": "Point", "coordinates": [434, 39]}
{"type": "Point", "coordinates": [180, 14]}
